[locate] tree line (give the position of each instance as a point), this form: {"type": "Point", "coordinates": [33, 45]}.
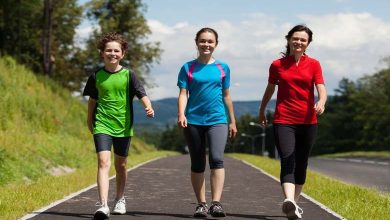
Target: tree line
{"type": "Point", "coordinates": [357, 117]}
{"type": "Point", "coordinates": [41, 34]}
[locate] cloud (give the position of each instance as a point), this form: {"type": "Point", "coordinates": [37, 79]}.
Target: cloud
{"type": "Point", "coordinates": [347, 45]}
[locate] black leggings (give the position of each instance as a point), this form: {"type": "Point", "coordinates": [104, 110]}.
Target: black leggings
{"type": "Point", "coordinates": [294, 144]}
{"type": "Point", "coordinates": [196, 136]}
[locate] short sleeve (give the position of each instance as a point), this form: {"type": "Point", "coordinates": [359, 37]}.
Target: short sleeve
{"type": "Point", "coordinates": [226, 80]}
{"type": "Point", "coordinates": [136, 87]}
{"type": "Point", "coordinates": [273, 74]}
{"type": "Point", "coordinates": [182, 78]}
{"type": "Point", "coordinates": [90, 87]}
{"type": "Point", "coordinates": [318, 78]}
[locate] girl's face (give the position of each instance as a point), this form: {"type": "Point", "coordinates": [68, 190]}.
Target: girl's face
{"type": "Point", "coordinates": [112, 53]}
{"type": "Point", "coordinates": [298, 42]}
{"type": "Point", "coordinates": [206, 43]}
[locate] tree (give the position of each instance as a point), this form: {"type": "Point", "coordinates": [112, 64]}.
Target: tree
{"type": "Point", "coordinates": [124, 17]}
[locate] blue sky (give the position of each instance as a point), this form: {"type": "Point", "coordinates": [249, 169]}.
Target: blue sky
{"type": "Point", "coordinates": [350, 38]}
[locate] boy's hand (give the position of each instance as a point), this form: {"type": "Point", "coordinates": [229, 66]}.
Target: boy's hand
{"type": "Point", "coordinates": [149, 112]}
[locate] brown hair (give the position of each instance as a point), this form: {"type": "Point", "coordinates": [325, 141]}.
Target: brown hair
{"type": "Point", "coordinates": [206, 29]}
{"type": "Point", "coordinates": [297, 28]}
{"type": "Point", "coordinates": [110, 37]}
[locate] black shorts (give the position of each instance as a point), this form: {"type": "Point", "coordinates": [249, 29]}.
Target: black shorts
{"type": "Point", "coordinates": [103, 142]}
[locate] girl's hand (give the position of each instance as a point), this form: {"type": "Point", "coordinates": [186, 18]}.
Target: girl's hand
{"type": "Point", "coordinates": [232, 130]}
{"type": "Point", "coordinates": [182, 121]}
{"type": "Point", "coordinates": [149, 112]}
{"type": "Point", "coordinates": [263, 119]}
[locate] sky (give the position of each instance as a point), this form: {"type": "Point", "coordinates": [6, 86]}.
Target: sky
{"type": "Point", "coordinates": [350, 38]}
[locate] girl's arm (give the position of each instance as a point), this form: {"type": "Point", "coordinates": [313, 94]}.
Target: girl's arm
{"type": "Point", "coordinates": [181, 106]}
{"type": "Point", "coordinates": [229, 104]}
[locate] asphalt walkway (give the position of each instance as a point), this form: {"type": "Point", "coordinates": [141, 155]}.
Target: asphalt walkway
{"type": "Point", "coordinates": [161, 189]}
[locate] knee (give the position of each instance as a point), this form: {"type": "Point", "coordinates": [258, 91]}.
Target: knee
{"type": "Point", "coordinates": [216, 163]}
{"type": "Point", "coordinates": [104, 163]}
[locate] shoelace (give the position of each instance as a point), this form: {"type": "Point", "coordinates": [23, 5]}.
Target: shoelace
{"type": "Point", "coordinates": [300, 211]}
{"type": "Point", "coordinates": [201, 208]}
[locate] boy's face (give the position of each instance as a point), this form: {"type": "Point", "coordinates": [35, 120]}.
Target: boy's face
{"type": "Point", "coordinates": [112, 53]}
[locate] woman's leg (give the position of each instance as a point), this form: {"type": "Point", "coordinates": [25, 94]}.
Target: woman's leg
{"type": "Point", "coordinates": [285, 144]}
{"type": "Point", "coordinates": [306, 135]}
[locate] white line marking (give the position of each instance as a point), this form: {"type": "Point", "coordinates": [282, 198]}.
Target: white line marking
{"type": "Point", "coordinates": [303, 194]}
{"type": "Point", "coordinates": [39, 211]}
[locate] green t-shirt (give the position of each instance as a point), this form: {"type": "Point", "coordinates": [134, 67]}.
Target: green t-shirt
{"type": "Point", "coordinates": [114, 93]}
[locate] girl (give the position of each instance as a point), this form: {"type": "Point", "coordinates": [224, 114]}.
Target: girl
{"type": "Point", "coordinates": [204, 93]}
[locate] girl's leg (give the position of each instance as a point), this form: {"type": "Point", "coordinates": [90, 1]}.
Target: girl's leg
{"type": "Point", "coordinates": [217, 137]}
{"type": "Point", "coordinates": [195, 137]}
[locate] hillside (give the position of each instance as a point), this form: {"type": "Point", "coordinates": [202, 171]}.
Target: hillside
{"type": "Point", "coordinates": [42, 130]}
{"type": "Point", "coordinates": [166, 111]}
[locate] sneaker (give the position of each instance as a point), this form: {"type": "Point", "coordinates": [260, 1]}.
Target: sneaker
{"type": "Point", "coordinates": [120, 206]}
{"type": "Point", "coordinates": [216, 210]}
{"type": "Point", "coordinates": [201, 210]}
{"type": "Point", "coordinates": [291, 209]}
{"type": "Point", "coordinates": [102, 213]}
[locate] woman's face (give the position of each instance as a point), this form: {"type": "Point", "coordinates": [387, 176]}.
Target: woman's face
{"type": "Point", "coordinates": [298, 42]}
{"type": "Point", "coordinates": [206, 43]}
{"type": "Point", "coordinates": [112, 53]}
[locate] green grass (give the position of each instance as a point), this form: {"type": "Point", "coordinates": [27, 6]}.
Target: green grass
{"type": "Point", "coordinates": [42, 127]}
{"type": "Point", "coordinates": [381, 154]}
{"type": "Point", "coordinates": [351, 202]}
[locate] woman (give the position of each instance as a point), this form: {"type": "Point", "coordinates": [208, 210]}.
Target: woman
{"type": "Point", "coordinates": [204, 93]}
{"type": "Point", "coordinates": [111, 90]}
{"type": "Point", "coordinates": [295, 121]}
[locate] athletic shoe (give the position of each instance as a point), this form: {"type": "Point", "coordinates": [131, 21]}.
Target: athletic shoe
{"type": "Point", "coordinates": [201, 210]}
{"type": "Point", "coordinates": [291, 209]}
{"type": "Point", "coordinates": [120, 206]}
{"type": "Point", "coordinates": [216, 210]}
{"type": "Point", "coordinates": [102, 213]}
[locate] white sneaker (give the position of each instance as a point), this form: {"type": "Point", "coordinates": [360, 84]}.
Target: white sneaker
{"type": "Point", "coordinates": [291, 209]}
{"type": "Point", "coordinates": [102, 213]}
{"type": "Point", "coordinates": [120, 206]}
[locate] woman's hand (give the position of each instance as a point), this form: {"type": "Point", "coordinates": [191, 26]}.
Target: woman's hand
{"type": "Point", "coordinates": [149, 112]}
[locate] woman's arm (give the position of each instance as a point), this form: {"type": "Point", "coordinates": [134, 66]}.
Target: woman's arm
{"type": "Point", "coordinates": [181, 106]}
{"type": "Point", "coordinates": [229, 104]}
{"type": "Point", "coordinates": [322, 96]}
{"type": "Point", "coordinates": [269, 91]}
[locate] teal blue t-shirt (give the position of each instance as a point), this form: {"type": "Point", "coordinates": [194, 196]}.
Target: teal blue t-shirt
{"type": "Point", "coordinates": [205, 84]}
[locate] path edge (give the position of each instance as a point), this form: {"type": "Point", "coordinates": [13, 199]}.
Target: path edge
{"type": "Point", "coordinates": [322, 206]}
{"type": "Point", "coordinates": [70, 196]}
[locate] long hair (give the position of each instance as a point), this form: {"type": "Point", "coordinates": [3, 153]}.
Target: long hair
{"type": "Point", "coordinates": [297, 28]}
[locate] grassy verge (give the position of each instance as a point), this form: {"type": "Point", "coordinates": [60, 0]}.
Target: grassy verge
{"type": "Point", "coordinates": [351, 202]}
{"type": "Point", "coordinates": [18, 199]}
{"type": "Point", "coordinates": [381, 154]}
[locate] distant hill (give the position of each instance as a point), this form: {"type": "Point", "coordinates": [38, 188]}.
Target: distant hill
{"type": "Point", "coordinates": [166, 111]}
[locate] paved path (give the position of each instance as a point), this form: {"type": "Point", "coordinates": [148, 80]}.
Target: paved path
{"type": "Point", "coordinates": [161, 189]}
{"type": "Point", "coordinates": [367, 172]}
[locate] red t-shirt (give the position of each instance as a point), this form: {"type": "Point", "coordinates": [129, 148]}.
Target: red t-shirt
{"type": "Point", "coordinates": [295, 99]}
